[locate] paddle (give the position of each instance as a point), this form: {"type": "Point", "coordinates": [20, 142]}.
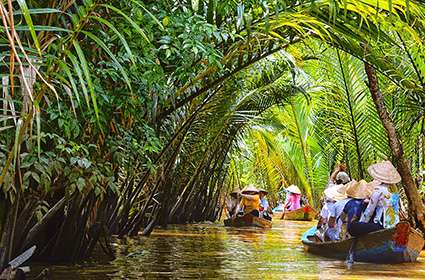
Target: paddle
{"type": "Point", "coordinates": [350, 258]}
{"type": "Point", "coordinates": [22, 258]}
{"type": "Point", "coordinates": [16, 262]}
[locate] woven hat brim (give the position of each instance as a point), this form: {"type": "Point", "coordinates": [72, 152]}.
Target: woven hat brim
{"type": "Point", "coordinates": [250, 189]}
{"type": "Point", "coordinates": [359, 190]}
{"type": "Point", "coordinates": [334, 193]}
{"type": "Point", "coordinates": [384, 172]}
{"type": "Point", "coordinates": [294, 189]}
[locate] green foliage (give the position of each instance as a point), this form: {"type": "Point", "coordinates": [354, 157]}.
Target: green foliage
{"type": "Point", "coordinates": [137, 113]}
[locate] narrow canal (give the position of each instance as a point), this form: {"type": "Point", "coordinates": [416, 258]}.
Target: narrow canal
{"type": "Point", "coordinates": [211, 251]}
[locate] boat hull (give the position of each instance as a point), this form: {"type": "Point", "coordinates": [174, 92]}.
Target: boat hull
{"type": "Point", "coordinates": [395, 245]}
{"type": "Point", "coordinates": [248, 220]}
{"type": "Point", "coordinates": [306, 213]}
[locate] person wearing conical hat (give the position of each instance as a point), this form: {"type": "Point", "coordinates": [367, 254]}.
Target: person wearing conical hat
{"type": "Point", "coordinates": [383, 206]}
{"type": "Point", "coordinates": [250, 202]}
{"type": "Point", "coordinates": [293, 198]}
{"type": "Point", "coordinates": [334, 222]}
{"type": "Point", "coordinates": [232, 203]}
{"type": "Point", "coordinates": [359, 193]}
{"type": "Point", "coordinates": [265, 210]}
{"type": "Point", "coordinates": [349, 191]}
{"type": "Point", "coordinates": [332, 195]}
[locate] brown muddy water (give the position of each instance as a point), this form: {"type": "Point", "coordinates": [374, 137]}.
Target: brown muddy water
{"type": "Point", "coordinates": [211, 251]}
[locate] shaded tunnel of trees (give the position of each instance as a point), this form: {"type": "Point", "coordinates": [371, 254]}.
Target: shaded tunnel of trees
{"type": "Point", "coordinates": [119, 116]}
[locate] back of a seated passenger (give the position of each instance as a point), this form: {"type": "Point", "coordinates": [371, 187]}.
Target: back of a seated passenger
{"type": "Point", "coordinates": [382, 208]}
{"type": "Point", "coordinates": [353, 209]}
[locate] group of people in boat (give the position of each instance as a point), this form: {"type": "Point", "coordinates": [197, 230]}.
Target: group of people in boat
{"type": "Point", "coordinates": [248, 201]}
{"type": "Point", "coordinates": [352, 208]}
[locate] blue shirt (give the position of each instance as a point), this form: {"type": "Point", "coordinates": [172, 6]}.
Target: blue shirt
{"type": "Point", "coordinates": [264, 203]}
{"type": "Point", "coordinates": [353, 210]}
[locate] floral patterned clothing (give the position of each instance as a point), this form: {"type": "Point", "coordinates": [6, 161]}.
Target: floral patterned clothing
{"type": "Point", "coordinates": [382, 208]}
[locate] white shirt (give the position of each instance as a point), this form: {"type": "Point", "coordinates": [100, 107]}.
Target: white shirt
{"type": "Point", "coordinates": [337, 210]}
{"type": "Point", "coordinates": [326, 210]}
{"type": "Point", "coordinates": [331, 184]}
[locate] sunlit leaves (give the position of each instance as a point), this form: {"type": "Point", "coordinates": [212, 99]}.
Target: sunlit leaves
{"type": "Point", "coordinates": [25, 11]}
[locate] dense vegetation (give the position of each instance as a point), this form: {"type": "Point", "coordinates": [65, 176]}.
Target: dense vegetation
{"type": "Point", "coordinates": [118, 116]}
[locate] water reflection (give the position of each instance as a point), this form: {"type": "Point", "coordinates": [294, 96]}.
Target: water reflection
{"type": "Point", "coordinates": [211, 251]}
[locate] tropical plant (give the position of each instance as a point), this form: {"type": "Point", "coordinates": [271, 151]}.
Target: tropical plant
{"type": "Point", "coordinates": [119, 116]}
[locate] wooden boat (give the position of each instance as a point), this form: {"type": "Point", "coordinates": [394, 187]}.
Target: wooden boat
{"type": "Point", "coordinates": [248, 220]}
{"type": "Point", "coordinates": [305, 213]}
{"type": "Point", "coordinates": [395, 245]}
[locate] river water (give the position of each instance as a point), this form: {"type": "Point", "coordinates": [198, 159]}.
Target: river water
{"type": "Point", "coordinates": [212, 251]}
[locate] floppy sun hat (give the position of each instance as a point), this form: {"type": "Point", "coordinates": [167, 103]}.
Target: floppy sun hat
{"type": "Point", "coordinates": [384, 172]}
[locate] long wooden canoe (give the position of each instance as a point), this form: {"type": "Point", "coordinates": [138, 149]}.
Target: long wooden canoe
{"type": "Point", "coordinates": [394, 245]}
{"type": "Point", "coordinates": [305, 213]}
{"type": "Point", "coordinates": [248, 220]}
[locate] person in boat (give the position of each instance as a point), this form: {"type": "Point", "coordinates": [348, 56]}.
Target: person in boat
{"type": "Point", "coordinates": [294, 198]}
{"type": "Point", "coordinates": [358, 194]}
{"type": "Point", "coordinates": [264, 205]}
{"type": "Point", "coordinates": [338, 176]}
{"type": "Point", "coordinates": [335, 222]}
{"type": "Point", "coordinates": [304, 200]}
{"type": "Point", "coordinates": [250, 202]}
{"type": "Point", "coordinates": [382, 209]}
{"type": "Point", "coordinates": [332, 196]}
{"type": "Point", "coordinates": [232, 203]}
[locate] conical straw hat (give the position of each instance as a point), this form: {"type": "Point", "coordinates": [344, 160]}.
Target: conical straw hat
{"type": "Point", "coordinates": [236, 191]}
{"type": "Point", "coordinates": [384, 172]}
{"type": "Point", "coordinates": [294, 189]}
{"type": "Point", "coordinates": [336, 193]}
{"type": "Point", "coordinates": [359, 190]}
{"type": "Point", "coordinates": [263, 191]}
{"type": "Point", "coordinates": [352, 182]}
{"type": "Point", "coordinates": [250, 188]}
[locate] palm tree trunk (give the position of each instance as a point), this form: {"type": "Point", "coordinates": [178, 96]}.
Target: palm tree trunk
{"type": "Point", "coordinates": [416, 206]}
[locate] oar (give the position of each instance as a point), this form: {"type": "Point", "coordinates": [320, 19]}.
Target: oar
{"type": "Point", "coordinates": [350, 258]}
{"type": "Point", "coordinates": [284, 211]}
{"type": "Point", "coordinates": [16, 262]}
{"type": "Point", "coordinates": [22, 257]}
